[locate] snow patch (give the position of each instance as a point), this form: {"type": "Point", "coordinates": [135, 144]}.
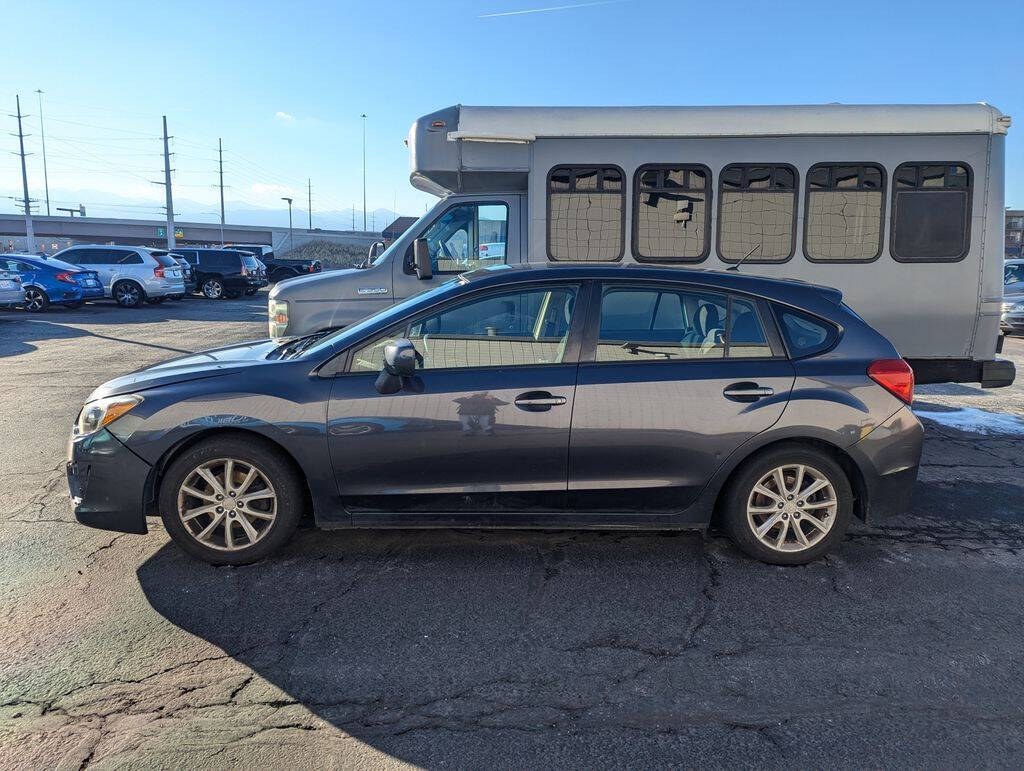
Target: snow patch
{"type": "Point", "coordinates": [974, 420]}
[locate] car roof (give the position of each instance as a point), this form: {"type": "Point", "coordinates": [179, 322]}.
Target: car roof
{"type": "Point", "coordinates": [38, 259]}
{"type": "Point", "coordinates": [785, 290]}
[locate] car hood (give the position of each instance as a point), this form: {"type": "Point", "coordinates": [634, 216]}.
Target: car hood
{"type": "Point", "coordinates": [315, 285]}
{"type": "Point", "coordinates": [195, 366]}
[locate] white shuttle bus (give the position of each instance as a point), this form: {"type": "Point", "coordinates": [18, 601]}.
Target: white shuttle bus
{"type": "Point", "coordinates": [898, 206]}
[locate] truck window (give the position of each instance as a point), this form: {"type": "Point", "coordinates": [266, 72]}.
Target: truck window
{"type": "Point", "coordinates": [843, 212]}
{"type": "Point", "coordinates": [586, 209]}
{"type": "Point", "coordinates": [756, 212]}
{"type": "Point", "coordinates": [931, 209]}
{"type": "Point", "coordinates": [671, 213]}
{"type": "Point", "coordinates": [466, 237]}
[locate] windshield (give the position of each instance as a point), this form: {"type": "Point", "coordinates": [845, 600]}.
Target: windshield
{"type": "Point", "coordinates": [250, 261]}
{"type": "Point", "coordinates": [395, 311]}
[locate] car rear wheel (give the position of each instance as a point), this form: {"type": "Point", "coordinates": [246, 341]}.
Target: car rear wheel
{"type": "Point", "coordinates": [788, 506]}
{"type": "Point", "coordinates": [213, 289]}
{"type": "Point", "coordinates": [36, 300]}
{"type": "Point", "coordinates": [229, 501]}
{"type": "Point", "coordinates": [128, 294]}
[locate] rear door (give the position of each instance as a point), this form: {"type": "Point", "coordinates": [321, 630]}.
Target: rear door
{"type": "Point", "coordinates": [673, 379]}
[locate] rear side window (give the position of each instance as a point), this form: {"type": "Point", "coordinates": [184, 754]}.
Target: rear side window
{"type": "Point", "coordinates": [85, 256]}
{"type": "Point", "coordinates": [165, 260]}
{"type": "Point", "coordinates": [586, 209]}
{"type": "Point", "coordinates": [805, 335]}
{"type": "Point", "coordinates": [931, 211]}
{"type": "Point", "coordinates": [118, 257]}
{"type": "Point", "coordinates": [655, 324]}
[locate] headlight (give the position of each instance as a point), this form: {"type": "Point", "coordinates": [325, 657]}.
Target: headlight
{"type": "Point", "coordinates": [102, 412]}
{"type": "Point", "coordinates": [277, 311]}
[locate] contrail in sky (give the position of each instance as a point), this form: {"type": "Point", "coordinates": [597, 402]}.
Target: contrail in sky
{"type": "Point", "coordinates": [550, 8]}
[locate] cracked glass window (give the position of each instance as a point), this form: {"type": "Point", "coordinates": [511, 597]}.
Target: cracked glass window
{"type": "Point", "coordinates": [671, 213]}
{"type": "Point", "coordinates": [756, 213]}
{"type": "Point", "coordinates": [931, 209]}
{"type": "Point", "coordinates": [844, 212]}
{"type": "Point", "coordinates": [585, 210]}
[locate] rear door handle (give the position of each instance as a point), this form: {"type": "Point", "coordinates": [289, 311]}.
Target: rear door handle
{"type": "Point", "coordinates": [538, 401]}
{"type": "Point", "coordinates": [747, 392]}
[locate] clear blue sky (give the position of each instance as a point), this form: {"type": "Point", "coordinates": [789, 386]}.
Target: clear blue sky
{"type": "Point", "coordinates": [284, 83]}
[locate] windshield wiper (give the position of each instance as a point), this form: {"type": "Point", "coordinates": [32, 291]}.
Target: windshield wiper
{"type": "Point", "coordinates": [294, 347]}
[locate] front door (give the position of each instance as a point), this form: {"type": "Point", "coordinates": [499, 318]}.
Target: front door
{"type": "Point", "coordinates": [464, 236]}
{"type": "Point", "coordinates": [678, 378]}
{"type": "Point", "coordinates": [485, 425]}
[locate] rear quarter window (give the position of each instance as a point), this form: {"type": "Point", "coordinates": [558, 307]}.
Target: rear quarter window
{"type": "Point", "coordinates": [804, 334]}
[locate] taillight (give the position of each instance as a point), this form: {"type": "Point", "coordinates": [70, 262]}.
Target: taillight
{"type": "Point", "coordinates": [895, 376]}
{"type": "Point", "coordinates": [67, 278]}
{"type": "Point", "coordinates": [158, 272]}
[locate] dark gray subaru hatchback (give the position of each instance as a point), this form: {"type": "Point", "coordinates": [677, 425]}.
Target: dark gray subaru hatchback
{"type": "Point", "coordinates": [596, 397]}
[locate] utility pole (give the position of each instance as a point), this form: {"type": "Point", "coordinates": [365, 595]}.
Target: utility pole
{"type": "Point", "coordinates": [309, 189]}
{"type": "Point", "coordinates": [363, 116]}
{"type": "Point", "coordinates": [291, 242]}
{"type": "Point", "coordinates": [353, 217]}
{"type": "Point", "coordinates": [30, 236]}
{"type": "Point", "coordinates": [220, 159]}
{"type": "Point", "coordinates": [42, 136]}
{"type": "Point", "coordinates": [167, 188]}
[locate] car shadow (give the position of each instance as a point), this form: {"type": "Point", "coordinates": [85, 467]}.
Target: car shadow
{"type": "Point", "coordinates": [385, 633]}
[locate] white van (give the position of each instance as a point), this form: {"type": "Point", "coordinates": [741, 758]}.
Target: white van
{"type": "Point", "coordinates": [898, 206]}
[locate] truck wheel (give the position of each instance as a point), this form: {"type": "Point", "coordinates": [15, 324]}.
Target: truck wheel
{"type": "Point", "coordinates": [36, 300]}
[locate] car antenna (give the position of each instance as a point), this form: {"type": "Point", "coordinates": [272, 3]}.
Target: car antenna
{"type": "Point", "coordinates": [737, 265]}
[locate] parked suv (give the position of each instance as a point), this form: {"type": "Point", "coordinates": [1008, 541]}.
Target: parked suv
{"type": "Point", "coordinates": [224, 272]}
{"type": "Point", "coordinates": [131, 275]}
{"type": "Point", "coordinates": [188, 275]}
{"type": "Point", "coordinates": [46, 281]}
{"type": "Point", "coordinates": [278, 268]}
{"type": "Point", "coordinates": [554, 397]}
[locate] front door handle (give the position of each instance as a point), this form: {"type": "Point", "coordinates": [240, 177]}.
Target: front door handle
{"type": "Point", "coordinates": [747, 392]}
{"type": "Point", "coordinates": [538, 401]}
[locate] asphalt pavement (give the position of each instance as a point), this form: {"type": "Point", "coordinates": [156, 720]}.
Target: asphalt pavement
{"type": "Point", "coordinates": [507, 649]}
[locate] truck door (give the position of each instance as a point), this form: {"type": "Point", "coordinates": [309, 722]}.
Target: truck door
{"type": "Point", "coordinates": [465, 235]}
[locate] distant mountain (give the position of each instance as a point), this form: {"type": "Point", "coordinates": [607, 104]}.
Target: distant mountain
{"type": "Point", "coordinates": [236, 212]}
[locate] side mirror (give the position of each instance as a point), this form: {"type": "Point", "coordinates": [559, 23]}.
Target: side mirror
{"type": "Point", "coordinates": [421, 259]}
{"type": "Point", "coordinates": [375, 249]}
{"type": "Point", "coordinates": [400, 359]}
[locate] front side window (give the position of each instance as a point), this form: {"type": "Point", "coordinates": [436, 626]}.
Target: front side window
{"type": "Point", "coordinates": [843, 212]}
{"type": "Point", "coordinates": [508, 329]}
{"type": "Point", "coordinates": [466, 237]}
{"type": "Point", "coordinates": [671, 213]}
{"type": "Point", "coordinates": [655, 324]}
{"type": "Point", "coordinates": [931, 211]}
{"type": "Point", "coordinates": [756, 212]}
{"type": "Point", "coordinates": [586, 207]}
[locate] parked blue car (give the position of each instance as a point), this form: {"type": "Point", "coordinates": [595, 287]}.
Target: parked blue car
{"type": "Point", "coordinates": [49, 282]}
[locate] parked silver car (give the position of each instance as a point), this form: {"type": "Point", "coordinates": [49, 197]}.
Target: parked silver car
{"type": "Point", "coordinates": [130, 275]}
{"type": "Point", "coordinates": [10, 288]}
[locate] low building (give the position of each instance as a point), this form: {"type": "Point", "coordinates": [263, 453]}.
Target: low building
{"type": "Point", "coordinates": [1014, 232]}
{"type": "Point", "coordinates": [396, 228]}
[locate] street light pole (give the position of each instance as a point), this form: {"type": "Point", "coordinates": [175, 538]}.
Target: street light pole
{"type": "Point", "coordinates": [42, 136]}
{"type": "Point", "coordinates": [363, 116]}
{"type": "Point", "coordinates": [291, 242]}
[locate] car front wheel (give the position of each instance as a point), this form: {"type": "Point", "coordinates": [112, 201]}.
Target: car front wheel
{"type": "Point", "coordinates": [788, 506]}
{"type": "Point", "coordinates": [213, 289]}
{"type": "Point", "coordinates": [36, 300]}
{"type": "Point", "coordinates": [229, 501]}
{"type": "Point", "coordinates": [128, 294]}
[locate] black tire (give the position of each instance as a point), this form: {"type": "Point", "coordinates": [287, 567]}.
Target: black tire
{"type": "Point", "coordinates": [213, 289]}
{"type": "Point", "coordinates": [269, 461]}
{"type": "Point", "coordinates": [75, 305]}
{"type": "Point", "coordinates": [36, 300]}
{"type": "Point", "coordinates": [128, 294]}
{"type": "Point", "coordinates": [734, 516]}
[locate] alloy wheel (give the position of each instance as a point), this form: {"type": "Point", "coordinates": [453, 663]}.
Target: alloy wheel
{"type": "Point", "coordinates": [213, 289]}
{"type": "Point", "coordinates": [127, 294]}
{"type": "Point", "coordinates": [34, 299]}
{"type": "Point", "coordinates": [792, 507]}
{"type": "Point", "coordinates": [227, 504]}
